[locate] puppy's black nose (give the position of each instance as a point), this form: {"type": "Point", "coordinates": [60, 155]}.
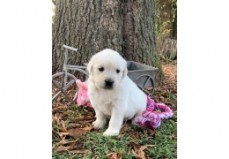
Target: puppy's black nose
{"type": "Point", "coordinates": [109, 83]}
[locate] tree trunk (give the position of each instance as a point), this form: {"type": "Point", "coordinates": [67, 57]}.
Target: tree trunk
{"type": "Point", "coordinates": [126, 26]}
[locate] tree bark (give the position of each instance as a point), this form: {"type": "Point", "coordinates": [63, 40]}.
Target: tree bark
{"type": "Point", "coordinates": [126, 26]}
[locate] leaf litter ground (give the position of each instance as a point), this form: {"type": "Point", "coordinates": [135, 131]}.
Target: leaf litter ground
{"type": "Point", "coordinates": [73, 136]}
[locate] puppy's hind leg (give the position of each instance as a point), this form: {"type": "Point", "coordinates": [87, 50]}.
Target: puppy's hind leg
{"type": "Point", "coordinates": [100, 119]}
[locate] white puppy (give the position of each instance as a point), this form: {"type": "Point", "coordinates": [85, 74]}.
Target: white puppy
{"type": "Point", "coordinates": [111, 92]}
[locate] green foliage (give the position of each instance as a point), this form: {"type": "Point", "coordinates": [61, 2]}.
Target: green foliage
{"type": "Point", "coordinates": [163, 143]}
{"type": "Point", "coordinates": [172, 97]}
{"type": "Point", "coordinates": [164, 26]}
{"type": "Point", "coordinates": [100, 146]}
{"type": "Point", "coordinates": [65, 155]}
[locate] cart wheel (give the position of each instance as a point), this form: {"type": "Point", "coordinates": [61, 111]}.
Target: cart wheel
{"type": "Point", "coordinates": [144, 81]}
{"type": "Point", "coordinates": [58, 85]}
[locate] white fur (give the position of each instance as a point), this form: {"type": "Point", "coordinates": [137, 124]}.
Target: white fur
{"type": "Point", "coordinates": [123, 101]}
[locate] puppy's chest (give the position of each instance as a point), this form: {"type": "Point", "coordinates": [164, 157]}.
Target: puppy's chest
{"type": "Point", "coordinates": [105, 102]}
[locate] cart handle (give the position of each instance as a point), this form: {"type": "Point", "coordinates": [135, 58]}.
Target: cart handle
{"type": "Point", "coordinates": [70, 48]}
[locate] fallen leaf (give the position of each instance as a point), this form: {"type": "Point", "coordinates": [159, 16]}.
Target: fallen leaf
{"type": "Point", "coordinates": [85, 118]}
{"type": "Point", "coordinates": [140, 152]}
{"type": "Point", "coordinates": [57, 107]}
{"type": "Point", "coordinates": [56, 119]}
{"type": "Point", "coordinates": [88, 128]}
{"type": "Point", "coordinates": [77, 132]}
{"type": "Point", "coordinates": [62, 134]}
{"type": "Point", "coordinates": [64, 148]}
{"type": "Point", "coordinates": [65, 145]}
{"type": "Point", "coordinates": [115, 155]}
{"type": "Point", "coordinates": [63, 128]}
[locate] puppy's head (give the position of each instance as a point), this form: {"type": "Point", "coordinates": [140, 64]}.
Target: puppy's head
{"type": "Point", "coordinates": [107, 69]}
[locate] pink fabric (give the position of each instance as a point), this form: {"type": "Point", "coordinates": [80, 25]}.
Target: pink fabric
{"type": "Point", "coordinates": [153, 114]}
{"type": "Point", "coordinates": [81, 96]}
{"type": "Point", "coordinates": [150, 118]}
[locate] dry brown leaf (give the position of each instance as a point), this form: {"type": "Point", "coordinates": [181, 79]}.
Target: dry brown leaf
{"type": "Point", "coordinates": [62, 134]}
{"type": "Point", "coordinates": [74, 125]}
{"type": "Point", "coordinates": [65, 145]}
{"type": "Point", "coordinates": [56, 119]}
{"type": "Point", "coordinates": [140, 152]}
{"type": "Point", "coordinates": [115, 155]}
{"type": "Point", "coordinates": [85, 118]}
{"type": "Point", "coordinates": [75, 132]}
{"type": "Point", "coordinates": [63, 128]}
{"type": "Point", "coordinates": [89, 121]}
{"type": "Point", "coordinates": [57, 107]}
{"type": "Point", "coordinates": [65, 142]}
{"type": "Point", "coordinates": [78, 132]}
{"type": "Point", "coordinates": [87, 128]}
{"type": "Point", "coordinates": [64, 148]}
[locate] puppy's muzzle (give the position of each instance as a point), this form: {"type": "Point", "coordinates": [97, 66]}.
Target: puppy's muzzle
{"type": "Point", "coordinates": [109, 83]}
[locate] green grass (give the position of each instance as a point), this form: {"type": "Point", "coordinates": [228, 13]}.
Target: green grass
{"type": "Point", "coordinates": [100, 146]}
{"type": "Point", "coordinates": [163, 141]}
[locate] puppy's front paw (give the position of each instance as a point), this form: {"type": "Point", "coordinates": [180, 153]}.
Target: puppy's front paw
{"type": "Point", "coordinates": [98, 124]}
{"type": "Point", "coordinates": [110, 132]}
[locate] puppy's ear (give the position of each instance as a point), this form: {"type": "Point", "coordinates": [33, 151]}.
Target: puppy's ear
{"type": "Point", "coordinates": [90, 67]}
{"type": "Point", "coordinates": [124, 73]}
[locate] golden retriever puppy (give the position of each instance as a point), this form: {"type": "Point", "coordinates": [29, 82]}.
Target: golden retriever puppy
{"type": "Point", "coordinates": [111, 92]}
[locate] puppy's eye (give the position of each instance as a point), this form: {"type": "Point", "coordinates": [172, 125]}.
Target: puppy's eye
{"type": "Point", "coordinates": [117, 70]}
{"type": "Point", "coordinates": [101, 69]}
